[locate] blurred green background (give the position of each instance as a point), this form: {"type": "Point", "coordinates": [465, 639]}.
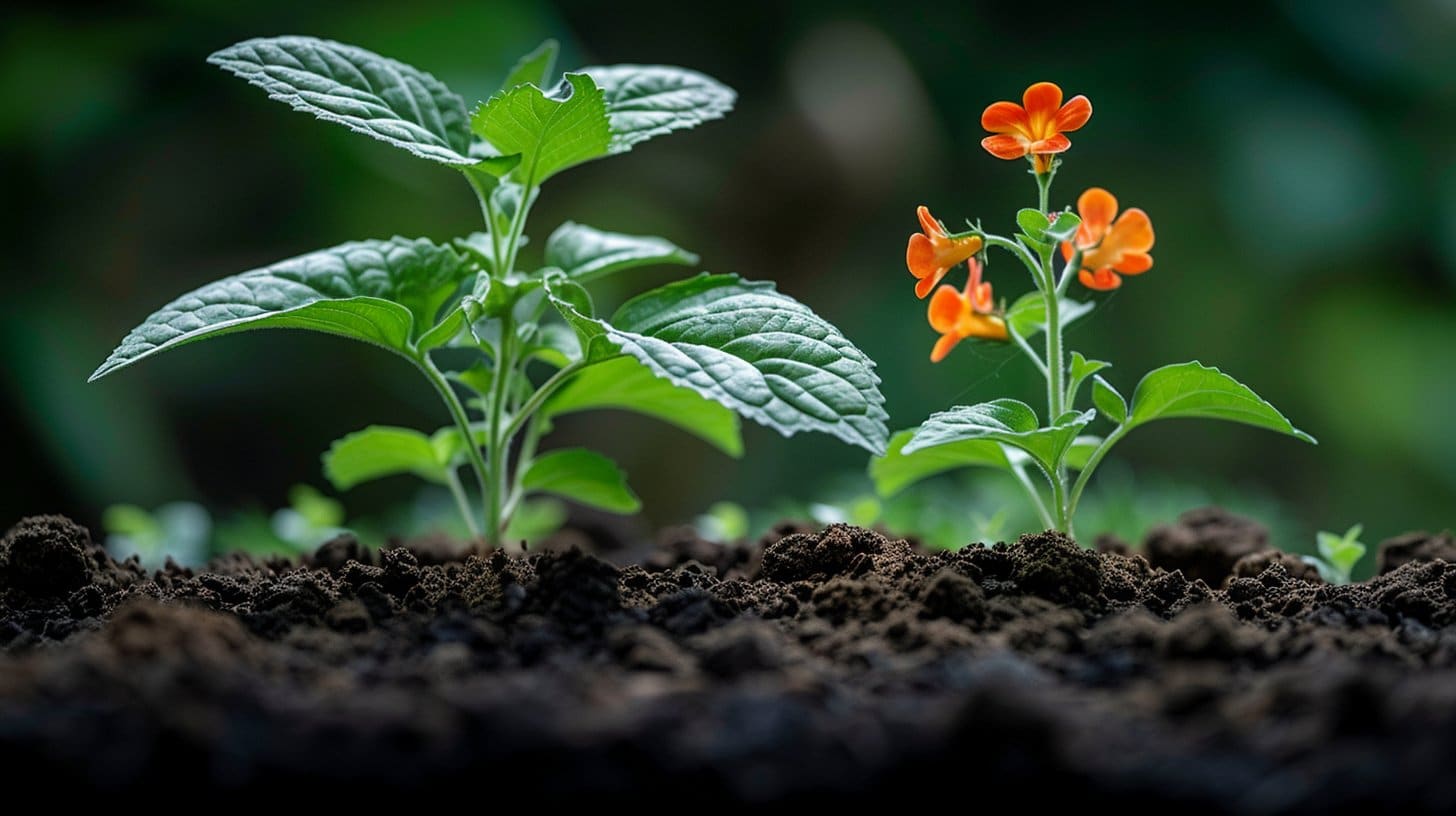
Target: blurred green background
{"type": "Point", "coordinates": [1296, 159]}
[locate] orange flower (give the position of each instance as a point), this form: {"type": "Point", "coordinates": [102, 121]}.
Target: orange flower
{"type": "Point", "coordinates": [958, 316]}
{"type": "Point", "coordinates": [933, 252]}
{"type": "Point", "coordinates": [1037, 126]}
{"type": "Point", "coordinates": [1109, 246]}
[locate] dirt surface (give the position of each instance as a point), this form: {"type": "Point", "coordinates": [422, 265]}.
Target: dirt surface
{"type": "Point", "coordinates": [834, 664]}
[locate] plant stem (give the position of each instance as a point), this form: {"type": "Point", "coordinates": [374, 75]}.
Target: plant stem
{"type": "Point", "coordinates": [532, 405]}
{"type": "Point", "coordinates": [1035, 495]}
{"type": "Point", "coordinates": [1092, 462]}
{"type": "Point", "coordinates": [462, 421]}
{"type": "Point", "coordinates": [1044, 189]}
{"type": "Point", "coordinates": [1030, 352]}
{"type": "Point", "coordinates": [487, 211]}
{"type": "Point", "coordinates": [499, 444]}
{"type": "Point", "coordinates": [462, 502]}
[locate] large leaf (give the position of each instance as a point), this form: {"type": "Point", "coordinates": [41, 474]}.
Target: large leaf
{"type": "Point", "coordinates": [751, 348]}
{"type": "Point", "coordinates": [380, 292]}
{"type": "Point", "coordinates": [644, 101]}
{"type": "Point", "coordinates": [626, 384]}
{"type": "Point", "coordinates": [358, 89]}
{"type": "Point", "coordinates": [897, 470]}
{"type": "Point", "coordinates": [1027, 316]}
{"type": "Point", "coordinates": [1002, 420]}
{"type": "Point", "coordinates": [585, 254]}
{"type": "Point", "coordinates": [551, 131]}
{"type": "Point", "coordinates": [584, 476]}
{"type": "Point", "coordinates": [1194, 390]}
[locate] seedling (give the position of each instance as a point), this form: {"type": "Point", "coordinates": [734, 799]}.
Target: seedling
{"type": "Point", "coordinates": [693, 353]}
{"type": "Point", "coordinates": [1096, 246]}
{"type": "Point", "coordinates": [1338, 554]}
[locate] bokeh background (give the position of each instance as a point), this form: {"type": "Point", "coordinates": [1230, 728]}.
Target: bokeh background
{"type": "Point", "coordinates": [1296, 158]}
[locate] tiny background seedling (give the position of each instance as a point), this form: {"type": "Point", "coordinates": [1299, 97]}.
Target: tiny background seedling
{"type": "Point", "coordinates": [1338, 554]}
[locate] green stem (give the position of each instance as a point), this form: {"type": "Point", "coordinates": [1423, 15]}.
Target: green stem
{"type": "Point", "coordinates": [462, 502]}
{"type": "Point", "coordinates": [1044, 190]}
{"type": "Point", "coordinates": [1035, 495]}
{"type": "Point", "coordinates": [499, 444]}
{"type": "Point", "coordinates": [523, 463]}
{"type": "Point", "coordinates": [531, 406]}
{"type": "Point", "coordinates": [1058, 481]}
{"type": "Point", "coordinates": [462, 421]}
{"type": "Point", "coordinates": [1030, 352]}
{"type": "Point", "coordinates": [1092, 462]}
{"type": "Point", "coordinates": [487, 211]}
{"type": "Point", "coordinates": [1027, 259]}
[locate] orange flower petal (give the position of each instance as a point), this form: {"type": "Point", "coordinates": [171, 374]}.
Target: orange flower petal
{"type": "Point", "coordinates": [1097, 208]}
{"type": "Point", "coordinates": [1133, 231]}
{"type": "Point", "coordinates": [928, 223]}
{"type": "Point", "coordinates": [1134, 263]}
{"type": "Point", "coordinates": [945, 309]}
{"type": "Point", "coordinates": [920, 256]}
{"type": "Point", "coordinates": [1103, 280]}
{"type": "Point", "coordinates": [925, 284]}
{"type": "Point", "coordinates": [1005, 117]}
{"type": "Point", "coordinates": [943, 347]}
{"type": "Point", "coordinates": [1042, 101]}
{"type": "Point", "coordinates": [1003, 146]}
{"type": "Point", "coordinates": [1055, 143]}
{"type": "Point", "coordinates": [986, 327]}
{"type": "Point", "coordinates": [1074, 114]}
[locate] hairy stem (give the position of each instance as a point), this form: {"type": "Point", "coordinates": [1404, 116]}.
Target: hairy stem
{"type": "Point", "coordinates": [531, 406]}
{"type": "Point", "coordinates": [462, 421]}
{"type": "Point", "coordinates": [1030, 352]}
{"type": "Point", "coordinates": [499, 444]}
{"type": "Point", "coordinates": [1092, 462]}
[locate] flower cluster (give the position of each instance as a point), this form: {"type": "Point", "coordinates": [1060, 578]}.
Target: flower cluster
{"type": "Point", "coordinates": [1105, 246]}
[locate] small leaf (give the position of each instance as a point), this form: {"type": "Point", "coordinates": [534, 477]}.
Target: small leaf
{"type": "Point", "coordinates": [644, 101]}
{"type": "Point", "coordinates": [1033, 223]}
{"type": "Point", "coordinates": [584, 476]}
{"type": "Point", "coordinates": [750, 348]}
{"type": "Point", "coordinates": [367, 93]}
{"type": "Point", "coordinates": [1079, 370]}
{"type": "Point", "coordinates": [1108, 401]}
{"type": "Point", "coordinates": [586, 254]}
{"type": "Point", "coordinates": [381, 450]}
{"type": "Point", "coordinates": [1194, 390]}
{"type": "Point", "coordinates": [551, 132]}
{"type": "Point", "coordinates": [380, 292]}
{"type": "Point", "coordinates": [626, 384]}
{"type": "Point", "coordinates": [1342, 552]}
{"type": "Point", "coordinates": [1063, 228]}
{"type": "Point", "coordinates": [897, 470]}
{"type": "Point", "coordinates": [534, 68]}
{"type": "Point", "coordinates": [1002, 420]}
{"type": "Point", "coordinates": [1027, 316]}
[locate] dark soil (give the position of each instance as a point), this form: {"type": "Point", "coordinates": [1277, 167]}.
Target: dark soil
{"type": "Point", "coordinates": [837, 664]}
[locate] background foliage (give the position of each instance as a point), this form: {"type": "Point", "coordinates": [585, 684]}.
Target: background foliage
{"type": "Point", "coordinates": [1296, 158]}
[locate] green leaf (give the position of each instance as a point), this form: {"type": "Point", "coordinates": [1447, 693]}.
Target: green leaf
{"type": "Point", "coordinates": [380, 292]}
{"type": "Point", "coordinates": [584, 476]}
{"type": "Point", "coordinates": [1033, 223]}
{"type": "Point", "coordinates": [1063, 228]}
{"type": "Point", "coordinates": [1080, 369]}
{"type": "Point", "coordinates": [586, 254]}
{"type": "Point", "coordinates": [367, 93]}
{"type": "Point", "coordinates": [379, 451]}
{"type": "Point", "coordinates": [1108, 401]}
{"type": "Point", "coordinates": [644, 101]}
{"type": "Point", "coordinates": [627, 384]}
{"type": "Point", "coordinates": [1342, 552]}
{"type": "Point", "coordinates": [897, 470]}
{"type": "Point", "coordinates": [551, 131]}
{"type": "Point", "coordinates": [1002, 420]}
{"type": "Point", "coordinates": [1193, 390]}
{"type": "Point", "coordinates": [534, 68]}
{"type": "Point", "coordinates": [1027, 316]}
{"type": "Point", "coordinates": [750, 348]}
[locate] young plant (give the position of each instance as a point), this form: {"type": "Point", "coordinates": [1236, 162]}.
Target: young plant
{"type": "Point", "coordinates": [1338, 554]}
{"type": "Point", "coordinates": [692, 353]}
{"type": "Point", "coordinates": [1095, 246]}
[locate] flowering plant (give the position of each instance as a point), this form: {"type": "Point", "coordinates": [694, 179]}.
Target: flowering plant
{"type": "Point", "coordinates": [1096, 246]}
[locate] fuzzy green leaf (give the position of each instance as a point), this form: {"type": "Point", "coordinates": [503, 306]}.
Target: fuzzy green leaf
{"type": "Point", "coordinates": [1079, 370]}
{"type": "Point", "coordinates": [626, 384]}
{"type": "Point", "coordinates": [380, 292]}
{"type": "Point", "coordinates": [367, 93]}
{"type": "Point", "coordinates": [534, 68]}
{"type": "Point", "coordinates": [1002, 420]}
{"type": "Point", "coordinates": [382, 450]}
{"type": "Point", "coordinates": [1033, 223]}
{"type": "Point", "coordinates": [551, 131]}
{"type": "Point", "coordinates": [897, 470]}
{"type": "Point", "coordinates": [1193, 390]}
{"type": "Point", "coordinates": [584, 476]}
{"type": "Point", "coordinates": [1108, 400]}
{"type": "Point", "coordinates": [1062, 229]}
{"type": "Point", "coordinates": [644, 101]}
{"type": "Point", "coordinates": [750, 348]}
{"type": "Point", "coordinates": [586, 254]}
{"type": "Point", "coordinates": [1027, 316]}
